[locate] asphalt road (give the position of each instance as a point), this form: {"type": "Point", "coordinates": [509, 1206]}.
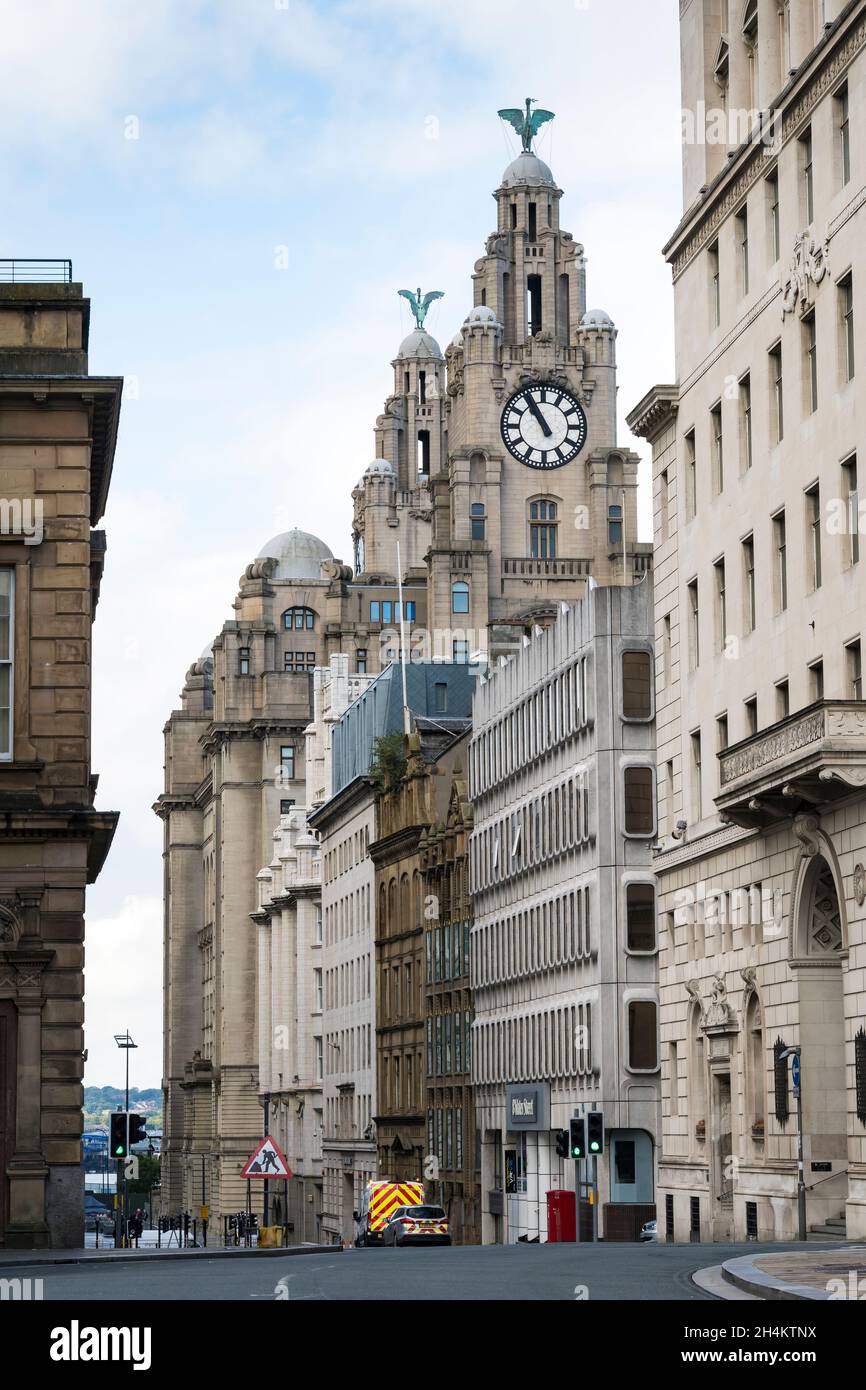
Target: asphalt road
{"type": "Point", "coordinates": [540, 1272]}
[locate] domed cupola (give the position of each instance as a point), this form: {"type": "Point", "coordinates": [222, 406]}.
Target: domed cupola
{"type": "Point", "coordinates": [298, 554]}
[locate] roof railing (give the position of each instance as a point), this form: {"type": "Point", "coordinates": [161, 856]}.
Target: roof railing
{"type": "Point", "coordinates": [35, 272]}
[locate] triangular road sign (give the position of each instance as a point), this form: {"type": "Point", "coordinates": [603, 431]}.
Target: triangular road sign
{"type": "Point", "coordinates": [268, 1161]}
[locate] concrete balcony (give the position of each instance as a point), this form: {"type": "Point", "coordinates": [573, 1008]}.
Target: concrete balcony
{"type": "Point", "coordinates": [813, 757]}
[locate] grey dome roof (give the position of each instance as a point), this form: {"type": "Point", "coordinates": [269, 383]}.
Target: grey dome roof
{"type": "Point", "coordinates": [419, 344]}
{"type": "Point", "coordinates": [596, 318]}
{"type": "Point", "coordinates": [527, 168]}
{"type": "Point", "coordinates": [300, 555]}
{"type": "Point", "coordinates": [482, 313]}
{"type": "Point", "coordinates": [379, 468]}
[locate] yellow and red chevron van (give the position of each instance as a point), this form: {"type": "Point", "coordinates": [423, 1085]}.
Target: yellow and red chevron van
{"type": "Point", "coordinates": [380, 1199]}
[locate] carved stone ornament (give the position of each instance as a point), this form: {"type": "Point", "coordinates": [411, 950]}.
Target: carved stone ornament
{"type": "Point", "coordinates": [718, 1012]}
{"type": "Point", "coordinates": [749, 975]}
{"type": "Point", "coordinates": [859, 884]}
{"type": "Point", "coordinates": [805, 827]}
{"type": "Point", "coordinates": [693, 990]}
{"type": "Point", "coordinates": [810, 262]}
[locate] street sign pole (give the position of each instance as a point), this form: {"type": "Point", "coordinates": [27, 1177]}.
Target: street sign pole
{"type": "Point", "coordinates": [576, 1114]}
{"type": "Point", "coordinates": [797, 1079]}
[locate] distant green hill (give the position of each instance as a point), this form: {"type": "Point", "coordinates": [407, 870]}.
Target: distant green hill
{"type": "Point", "coordinates": [108, 1097]}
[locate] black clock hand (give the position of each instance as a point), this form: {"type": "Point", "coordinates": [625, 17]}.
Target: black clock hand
{"type": "Point", "coordinates": [539, 417]}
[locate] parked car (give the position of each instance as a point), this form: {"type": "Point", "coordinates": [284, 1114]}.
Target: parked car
{"type": "Point", "coordinates": [417, 1226]}
{"type": "Point", "coordinates": [649, 1230]}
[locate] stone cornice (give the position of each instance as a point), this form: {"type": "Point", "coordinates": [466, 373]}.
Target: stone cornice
{"type": "Point", "coordinates": [657, 409]}
{"type": "Point", "coordinates": [753, 159]}
{"type": "Point", "coordinates": [710, 843]}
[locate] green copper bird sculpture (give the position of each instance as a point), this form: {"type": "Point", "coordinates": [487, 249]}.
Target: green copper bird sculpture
{"type": "Point", "coordinates": [528, 123]}
{"type": "Point", "coordinates": [420, 306]}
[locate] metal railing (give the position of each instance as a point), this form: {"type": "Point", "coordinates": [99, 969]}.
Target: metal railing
{"type": "Point", "coordinates": [35, 272]}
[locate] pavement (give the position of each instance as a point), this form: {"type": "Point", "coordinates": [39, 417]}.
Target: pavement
{"type": "Point", "coordinates": [816, 1274]}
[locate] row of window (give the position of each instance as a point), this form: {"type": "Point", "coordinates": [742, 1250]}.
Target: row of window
{"type": "Point", "coordinates": [719, 450]}
{"type": "Point", "coordinates": [449, 1043]}
{"type": "Point", "coordinates": [806, 209]}
{"type": "Point", "coordinates": [347, 983]}
{"type": "Point", "coordinates": [447, 952]}
{"type": "Point", "coordinates": [445, 1137]}
{"type": "Point", "coordinates": [398, 1073]}
{"type": "Point", "coordinates": [399, 993]}
{"type": "Point", "coordinates": [554, 933]}
{"type": "Point", "coordinates": [351, 851]}
{"type": "Point", "coordinates": [544, 826]}
{"type": "Point", "coordinates": [348, 1049]}
{"type": "Point", "coordinates": [539, 722]}
{"type": "Point", "coordinates": [547, 1045]}
{"type": "Point", "coordinates": [388, 611]}
{"type": "Point", "coordinates": [348, 915]}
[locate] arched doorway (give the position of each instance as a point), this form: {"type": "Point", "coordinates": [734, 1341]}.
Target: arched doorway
{"type": "Point", "coordinates": [819, 949]}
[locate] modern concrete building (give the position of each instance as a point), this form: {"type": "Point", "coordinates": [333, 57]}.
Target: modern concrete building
{"type": "Point", "coordinates": [58, 429]}
{"type": "Point", "coordinates": [760, 610]}
{"type": "Point", "coordinates": [564, 950]}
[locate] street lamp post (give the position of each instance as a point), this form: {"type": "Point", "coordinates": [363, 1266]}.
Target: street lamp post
{"type": "Point", "coordinates": [124, 1041]}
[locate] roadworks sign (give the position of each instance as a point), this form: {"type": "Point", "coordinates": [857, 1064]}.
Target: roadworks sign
{"type": "Point", "coordinates": [268, 1161]}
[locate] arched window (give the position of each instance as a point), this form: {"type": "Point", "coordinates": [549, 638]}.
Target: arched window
{"type": "Point", "coordinates": [299, 619]}
{"type": "Point", "coordinates": [460, 597]}
{"type": "Point", "coordinates": [543, 526]}
{"type": "Point", "coordinates": [755, 1070]}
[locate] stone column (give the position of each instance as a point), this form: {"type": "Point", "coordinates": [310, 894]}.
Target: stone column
{"type": "Point", "coordinates": [769, 57]}
{"type": "Point", "coordinates": [28, 1172]}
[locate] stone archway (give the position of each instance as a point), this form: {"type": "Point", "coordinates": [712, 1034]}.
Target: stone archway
{"type": "Point", "coordinates": [819, 947]}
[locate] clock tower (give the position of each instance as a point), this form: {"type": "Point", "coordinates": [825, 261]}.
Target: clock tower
{"type": "Point", "coordinates": [534, 497]}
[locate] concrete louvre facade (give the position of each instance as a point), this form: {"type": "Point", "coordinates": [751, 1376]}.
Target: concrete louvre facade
{"type": "Point", "coordinates": [759, 612]}
{"type": "Point", "coordinates": [58, 428]}
{"type": "Point", "coordinates": [564, 955]}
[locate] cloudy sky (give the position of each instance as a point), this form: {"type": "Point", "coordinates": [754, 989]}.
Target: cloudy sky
{"type": "Point", "coordinates": [242, 187]}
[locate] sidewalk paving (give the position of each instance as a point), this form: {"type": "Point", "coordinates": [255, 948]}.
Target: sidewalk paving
{"type": "Point", "coordinates": [16, 1259]}
{"type": "Point", "coordinates": [814, 1273]}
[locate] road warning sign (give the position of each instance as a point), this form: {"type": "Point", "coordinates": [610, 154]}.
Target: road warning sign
{"type": "Point", "coordinates": [268, 1161]}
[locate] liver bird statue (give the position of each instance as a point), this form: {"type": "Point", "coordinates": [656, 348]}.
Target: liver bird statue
{"type": "Point", "coordinates": [418, 305]}
{"type": "Point", "coordinates": [528, 123]}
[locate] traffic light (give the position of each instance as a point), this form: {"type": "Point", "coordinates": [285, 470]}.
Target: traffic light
{"type": "Point", "coordinates": [117, 1145]}
{"type": "Point", "coordinates": [577, 1138]}
{"type": "Point", "coordinates": [562, 1143]}
{"type": "Point", "coordinates": [595, 1132]}
{"type": "Point", "coordinates": [137, 1132]}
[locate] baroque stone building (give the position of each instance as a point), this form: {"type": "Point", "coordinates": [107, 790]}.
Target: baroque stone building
{"type": "Point", "coordinates": [58, 430]}
{"type": "Point", "coordinates": [759, 626]}
{"type": "Point", "coordinates": [564, 950]}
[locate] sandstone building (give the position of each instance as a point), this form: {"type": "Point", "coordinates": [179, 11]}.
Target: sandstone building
{"type": "Point", "coordinates": [58, 430]}
{"type": "Point", "coordinates": [760, 606]}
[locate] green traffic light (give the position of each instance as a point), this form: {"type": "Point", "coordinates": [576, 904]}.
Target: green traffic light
{"type": "Point", "coordinates": [594, 1146]}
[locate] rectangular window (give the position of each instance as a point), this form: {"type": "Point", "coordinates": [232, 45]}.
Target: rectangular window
{"type": "Point", "coordinates": [714, 285]}
{"type": "Point", "coordinates": [846, 326]}
{"type": "Point", "coordinates": [816, 680]}
{"type": "Point", "coordinates": [636, 685]}
{"type": "Point", "coordinates": [745, 399]}
{"type": "Point", "coordinates": [319, 1059]}
{"type": "Point", "coordinates": [7, 639]}
{"type": "Point", "coordinates": [718, 449]}
{"type": "Point", "coordinates": [361, 661]}
{"type": "Point", "coordinates": [477, 521]}
{"type": "Point", "coordinates": [287, 763]}
{"type": "Point", "coordinates": [721, 605]}
{"type": "Point", "coordinates": [642, 1035]}
{"type": "Point", "coordinates": [721, 732]}
{"type": "Point", "coordinates": [783, 699]}
{"type": "Point", "coordinates": [749, 611]}
{"type": "Point", "coordinates": [387, 608]}
{"type": "Point", "coordinates": [639, 801]}
{"type": "Point", "coordinates": [640, 906]}
{"type": "Point", "coordinates": [743, 250]}
{"type": "Point", "coordinates": [697, 783]}
{"type": "Point", "coordinates": [694, 626]}
{"type": "Point", "coordinates": [317, 987]}
{"type": "Point", "coordinates": [810, 364]}
{"type": "Point", "coordinates": [374, 611]}
{"type": "Point", "coordinates": [244, 664]}
{"type": "Point", "coordinates": [780, 574]}
{"type": "Point", "coordinates": [460, 651]}
{"type": "Point", "coordinates": [772, 192]}
{"type": "Point", "coordinates": [852, 508]}
{"type": "Point", "coordinates": [843, 135]}
{"type": "Point", "coordinates": [855, 670]}
{"type": "Point", "coordinates": [750, 707]}
{"type": "Point", "coordinates": [690, 474]}
{"type": "Point", "coordinates": [614, 525]}
{"type": "Point", "coordinates": [813, 536]}
{"type": "Point", "coordinates": [807, 189]}
{"type": "Point", "coordinates": [440, 696]}
{"type": "Point", "coordinates": [777, 401]}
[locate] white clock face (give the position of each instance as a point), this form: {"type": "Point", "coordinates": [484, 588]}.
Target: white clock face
{"type": "Point", "coordinates": [543, 426]}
